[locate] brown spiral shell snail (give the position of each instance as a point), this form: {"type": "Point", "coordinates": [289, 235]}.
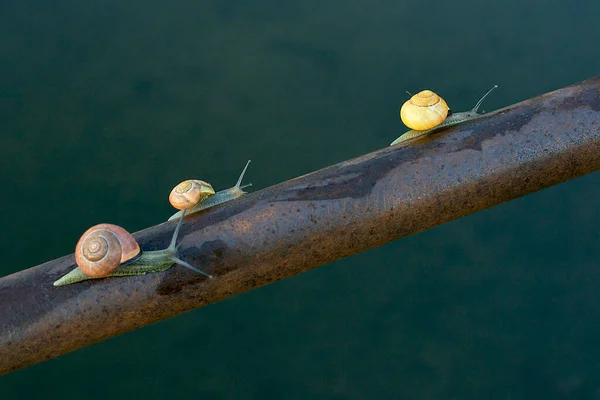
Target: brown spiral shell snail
{"type": "Point", "coordinates": [102, 248]}
{"type": "Point", "coordinates": [108, 250]}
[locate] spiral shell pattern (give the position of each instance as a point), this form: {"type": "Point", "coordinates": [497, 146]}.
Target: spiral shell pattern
{"type": "Point", "coordinates": [102, 248]}
{"type": "Point", "coordinates": [189, 193]}
{"type": "Point", "coordinates": [424, 110]}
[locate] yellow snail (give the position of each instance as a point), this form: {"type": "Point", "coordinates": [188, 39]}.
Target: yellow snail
{"type": "Point", "coordinates": [108, 250]}
{"type": "Point", "coordinates": [180, 197]}
{"type": "Point", "coordinates": [427, 112]}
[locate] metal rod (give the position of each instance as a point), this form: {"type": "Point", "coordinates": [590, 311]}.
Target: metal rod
{"type": "Point", "coordinates": [309, 221]}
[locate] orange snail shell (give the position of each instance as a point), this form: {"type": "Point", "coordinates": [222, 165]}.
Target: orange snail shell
{"type": "Point", "coordinates": [189, 193]}
{"type": "Point", "coordinates": [102, 248]}
{"type": "Point", "coordinates": [424, 110]}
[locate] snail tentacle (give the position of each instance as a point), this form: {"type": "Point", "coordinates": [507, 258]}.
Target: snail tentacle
{"type": "Point", "coordinates": [239, 181]}
{"type": "Point", "coordinates": [178, 261]}
{"type": "Point", "coordinates": [173, 248]}
{"type": "Point", "coordinates": [480, 102]}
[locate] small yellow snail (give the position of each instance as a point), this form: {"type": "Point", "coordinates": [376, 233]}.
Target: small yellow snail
{"type": "Point", "coordinates": [178, 199]}
{"type": "Point", "coordinates": [426, 112]}
{"type": "Point", "coordinates": [108, 250]}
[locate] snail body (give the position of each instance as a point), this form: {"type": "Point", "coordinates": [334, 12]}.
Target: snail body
{"type": "Point", "coordinates": [216, 198]}
{"type": "Point", "coordinates": [422, 120]}
{"type": "Point", "coordinates": [94, 241]}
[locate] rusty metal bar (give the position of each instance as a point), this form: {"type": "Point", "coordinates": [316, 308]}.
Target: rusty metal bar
{"type": "Point", "coordinates": [309, 221]}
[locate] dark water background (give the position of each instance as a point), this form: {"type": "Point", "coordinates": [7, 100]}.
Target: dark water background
{"type": "Point", "coordinates": [106, 104]}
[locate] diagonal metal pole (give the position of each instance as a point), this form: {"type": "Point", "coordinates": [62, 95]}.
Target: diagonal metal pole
{"type": "Point", "coordinates": [309, 221]}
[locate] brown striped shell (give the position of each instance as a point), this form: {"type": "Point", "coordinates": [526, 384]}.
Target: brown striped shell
{"type": "Point", "coordinates": [424, 110]}
{"type": "Point", "coordinates": [189, 193]}
{"type": "Point", "coordinates": [102, 248]}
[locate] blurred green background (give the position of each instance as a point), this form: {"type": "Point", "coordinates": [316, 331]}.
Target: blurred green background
{"type": "Point", "coordinates": [106, 104]}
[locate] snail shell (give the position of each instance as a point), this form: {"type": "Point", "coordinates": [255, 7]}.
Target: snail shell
{"type": "Point", "coordinates": [424, 110]}
{"type": "Point", "coordinates": [102, 248]}
{"type": "Point", "coordinates": [189, 193]}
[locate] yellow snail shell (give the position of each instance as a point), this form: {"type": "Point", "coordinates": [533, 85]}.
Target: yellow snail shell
{"type": "Point", "coordinates": [102, 248]}
{"type": "Point", "coordinates": [424, 110]}
{"type": "Point", "coordinates": [189, 193]}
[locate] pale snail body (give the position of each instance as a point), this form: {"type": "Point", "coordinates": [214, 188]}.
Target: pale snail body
{"type": "Point", "coordinates": [215, 199]}
{"type": "Point", "coordinates": [450, 120]}
{"type": "Point", "coordinates": [137, 264]}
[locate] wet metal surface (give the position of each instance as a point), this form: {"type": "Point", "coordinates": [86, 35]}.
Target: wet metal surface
{"type": "Point", "coordinates": [310, 221]}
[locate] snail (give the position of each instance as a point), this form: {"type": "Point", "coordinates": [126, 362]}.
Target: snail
{"type": "Point", "coordinates": [189, 193]}
{"type": "Point", "coordinates": [179, 199]}
{"type": "Point", "coordinates": [427, 112]}
{"type": "Point", "coordinates": [108, 250]}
